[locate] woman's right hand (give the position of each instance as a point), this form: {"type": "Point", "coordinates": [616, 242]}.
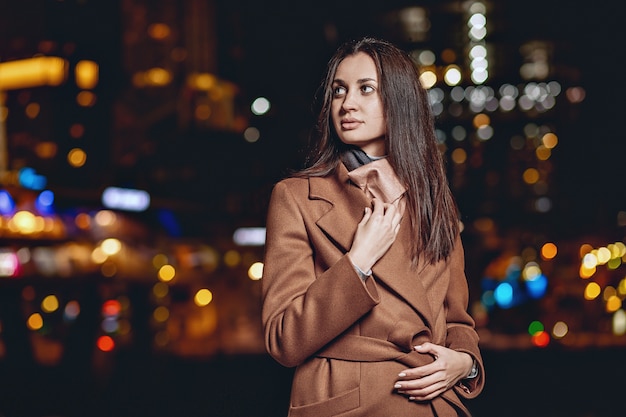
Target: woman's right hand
{"type": "Point", "coordinates": [375, 233]}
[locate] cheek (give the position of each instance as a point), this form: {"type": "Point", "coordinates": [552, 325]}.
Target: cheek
{"type": "Point", "coordinates": [334, 115]}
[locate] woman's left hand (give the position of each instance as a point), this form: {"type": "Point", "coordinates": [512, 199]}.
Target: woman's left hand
{"type": "Point", "coordinates": [429, 381]}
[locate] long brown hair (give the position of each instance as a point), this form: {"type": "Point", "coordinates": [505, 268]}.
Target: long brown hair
{"type": "Point", "coordinates": [410, 143]}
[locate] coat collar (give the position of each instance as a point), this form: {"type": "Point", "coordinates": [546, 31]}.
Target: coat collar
{"type": "Point", "coordinates": [339, 222]}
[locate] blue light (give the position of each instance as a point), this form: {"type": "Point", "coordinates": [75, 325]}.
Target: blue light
{"type": "Point", "coordinates": [7, 204]}
{"type": "Point", "coordinates": [536, 287]}
{"type": "Point", "coordinates": [28, 178]}
{"type": "Point", "coordinates": [504, 295]}
{"type": "Point", "coordinates": [44, 202]}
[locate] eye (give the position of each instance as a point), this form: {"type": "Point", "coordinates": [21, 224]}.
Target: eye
{"type": "Point", "coordinates": [339, 90]}
{"type": "Point", "coordinates": [367, 89]}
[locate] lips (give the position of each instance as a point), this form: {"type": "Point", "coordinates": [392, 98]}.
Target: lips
{"type": "Point", "coordinates": [350, 124]}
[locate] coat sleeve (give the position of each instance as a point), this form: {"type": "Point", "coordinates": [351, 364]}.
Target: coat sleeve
{"type": "Point", "coordinates": [302, 312]}
{"type": "Point", "coordinates": [461, 332]}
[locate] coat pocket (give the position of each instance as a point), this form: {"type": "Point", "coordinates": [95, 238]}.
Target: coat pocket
{"type": "Point", "coordinates": [331, 407]}
{"type": "Point", "coordinates": [325, 384]}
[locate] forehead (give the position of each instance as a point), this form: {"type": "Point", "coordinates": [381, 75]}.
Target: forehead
{"type": "Point", "coordinates": [358, 66]}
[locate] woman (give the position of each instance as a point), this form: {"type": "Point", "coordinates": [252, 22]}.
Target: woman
{"type": "Point", "coordinates": [364, 289]}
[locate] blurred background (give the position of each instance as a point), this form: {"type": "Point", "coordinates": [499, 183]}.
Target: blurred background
{"type": "Point", "coordinates": [139, 143]}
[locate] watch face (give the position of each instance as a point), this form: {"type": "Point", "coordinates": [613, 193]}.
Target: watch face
{"type": "Point", "coordinates": [474, 372]}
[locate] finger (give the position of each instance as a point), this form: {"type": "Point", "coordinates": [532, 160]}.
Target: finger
{"type": "Point", "coordinates": [379, 207]}
{"type": "Point", "coordinates": [430, 348]}
{"type": "Point", "coordinates": [367, 214]}
{"type": "Point", "coordinates": [390, 209]}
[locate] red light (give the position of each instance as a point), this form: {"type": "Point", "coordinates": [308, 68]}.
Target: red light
{"type": "Point", "coordinates": [105, 343]}
{"type": "Point", "coordinates": [111, 308]}
{"type": "Point", "coordinates": [541, 339]}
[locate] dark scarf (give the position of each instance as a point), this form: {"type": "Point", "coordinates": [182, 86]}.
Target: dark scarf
{"type": "Point", "coordinates": [354, 157]}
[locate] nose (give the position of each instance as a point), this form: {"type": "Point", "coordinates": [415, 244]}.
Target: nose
{"type": "Point", "coordinates": [349, 101]}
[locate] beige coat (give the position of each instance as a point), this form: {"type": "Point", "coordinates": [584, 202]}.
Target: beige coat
{"type": "Point", "coordinates": [350, 339]}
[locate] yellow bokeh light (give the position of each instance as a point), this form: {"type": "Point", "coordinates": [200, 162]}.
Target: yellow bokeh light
{"type": "Point", "coordinates": [531, 176]}
{"type": "Point", "coordinates": [481, 120]}
{"type": "Point", "coordinates": [255, 272]}
{"type": "Point", "coordinates": [158, 76]}
{"type": "Point", "coordinates": [603, 255]}
{"type": "Point", "coordinates": [549, 140]}
{"type": "Point", "coordinates": [159, 260]}
{"type": "Point", "coordinates": [202, 81]}
{"type": "Point", "coordinates": [161, 314]}
{"type": "Point", "coordinates": [76, 157]}
{"type": "Point", "coordinates": [619, 322]}
{"type": "Point", "coordinates": [592, 291]}
{"type": "Point", "coordinates": [35, 321]}
{"type": "Point", "coordinates": [159, 31]}
{"type": "Point", "coordinates": [50, 303]}
{"type": "Point", "coordinates": [33, 72]}
{"type": "Point", "coordinates": [46, 149]}
{"type": "Point", "coordinates": [585, 272]}
{"type": "Point", "coordinates": [166, 273]}
{"type": "Point", "coordinates": [111, 246]}
{"type": "Point", "coordinates": [428, 79]}
{"type": "Point", "coordinates": [543, 153]}
{"type": "Point", "coordinates": [160, 289]}
{"type": "Point", "coordinates": [232, 258]}
{"type": "Point", "coordinates": [608, 293]}
{"type": "Point", "coordinates": [459, 156]}
{"type": "Point", "coordinates": [83, 221]}
{"type": "Point", "coordinates": [32, 110]}
{"type": "Point", "coordinates": [98, 256]}
{"type": "Point", "coordinates": [86, 73]}
{"type": "Point", "coordinates": [621, 287]}
{"type": "Point", "coordinates": [613, 304]}
{"type": "Point", "coordinates": [203, 297]}
{"type": "Point", "coordinates": [105, 218]}
{"type": "Point", "coordinates": [548, 251]}
{"type": "Point", "coordinates": [531, 271]}
{"type": "Point", "coordinates": [24, 222]}
{"type": "Point", "coordinates": [585, 248]}
{"type": "Point", "coordinates": [86, 99]}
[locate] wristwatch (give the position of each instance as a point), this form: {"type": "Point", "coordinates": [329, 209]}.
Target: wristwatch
{"type": "Point", "coordinates": [474, 372]}
{"type": "Point", "coordinates": [361, 274]}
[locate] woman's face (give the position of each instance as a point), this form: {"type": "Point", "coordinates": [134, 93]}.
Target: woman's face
{"type": "Point", "coordinates": [356, 108]}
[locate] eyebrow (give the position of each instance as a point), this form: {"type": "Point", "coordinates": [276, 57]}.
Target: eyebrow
{"type": "Point", "coordinates": [359, 81]}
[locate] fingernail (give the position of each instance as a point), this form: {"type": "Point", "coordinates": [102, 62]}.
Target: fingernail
{"type": "Point", "coordinates": [401, 374]}
{"type": "Point", "coordinates": [397, 386]}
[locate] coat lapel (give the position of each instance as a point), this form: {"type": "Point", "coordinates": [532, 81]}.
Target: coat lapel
{"type": "Point", "coordinates": [347, 201]}
{"type": "Point", "coordinates": [395, 269]}
{"type": "Point", "coordinates": [339, 222]}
